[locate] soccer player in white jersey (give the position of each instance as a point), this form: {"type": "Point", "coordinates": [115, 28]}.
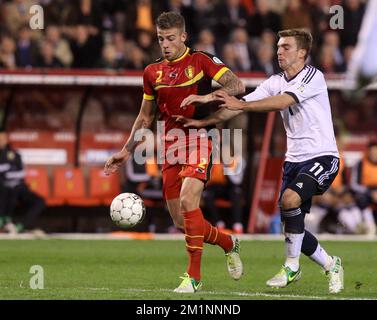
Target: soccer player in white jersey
{"type": "Point", "coordinates": [312, 159]}
{"type": "Point", "coordinates": [363, 66]}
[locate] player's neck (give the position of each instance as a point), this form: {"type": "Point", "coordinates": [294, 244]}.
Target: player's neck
{"type": "Point", "coordinates": [294, 70]}
{"type": "Point", "coordinates": [179, 55]}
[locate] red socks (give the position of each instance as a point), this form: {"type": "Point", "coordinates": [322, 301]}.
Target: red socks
{"type": "Point", "coordinates": [197, 231]}
{"type": "Point", "coordinates": [212, 235]}
{"type": "Point", "coordinates": [194, 235]}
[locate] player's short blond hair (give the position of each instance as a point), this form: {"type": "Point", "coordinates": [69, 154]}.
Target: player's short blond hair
{"type": "Point", "coordinates": [168, 20]}
{"type": "Point", "coordinates": [303, 37]}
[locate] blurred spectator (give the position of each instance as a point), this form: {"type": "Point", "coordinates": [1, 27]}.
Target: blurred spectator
{"type": "Point", "coordinates": [296, 16]}
{"type": "Point", "coordinates": [353, 15]}
{"type": "Point", "coordinates": [229, 57]}
{"type": "Point", "coordinates": [59, 12]}
{"type": "Point", "coordinates": [141, 15]}
{"type": "Point", "coordinates": [206, 42]}
{"type": "Point", "coordinates": [364, 186]}
{"type": "Point", "coordinates": [350, 215]}
{"type": "Point", "coordinates": [332, 40]}
{"type": "Point", "coordinates": [266, 61]}
{"type": "Point", "coordinates": [14, 191]}
{"type": "Point", "coordinates": [278, 6]}
{"type": "Point", "coordinates": [146, 42]}
{"type": "Point", "coordinates": [115, 15]}
{"type": "Point", "coordinates": [138, 60]}
{"type": "Point", "coordinates": [199, 16]}
{"type": "Point", "coordinates": [242, 49]}
{"type": "Point", "coordinates": [263, 19]}
{"type": "Point", "coordinates": [62, 50]}
{"type": "Point", "coordinates": [230, 15]}
{"type": "Point", "coordinates": [123, 46]}
{"type": "Point", "coordinates": [110, 59]}
{"type": "Point", "coordinates": [87, 12]}
{"type": "Point", "coordinates": [268, 37]}
{"type": "Point", "coordinates": [47, 58]}
{"type": "Point", "coordinates": [7, 53]}
{"type": "Point", "coordinates": [85, 48]}
{"type": "Point", "coordinates": [319, 11]}
{"type": "Point", "coordinates": [26, 48]}
{"type": "Point", "coordinates": [174, 5]}
{"type": "Point", "coordinates": [327, 63]}
{"type": "Point", "coordinates": [16, 14]}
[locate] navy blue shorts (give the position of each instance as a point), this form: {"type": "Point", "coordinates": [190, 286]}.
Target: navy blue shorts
{"type": "Point", "coordinates": [309, 178]}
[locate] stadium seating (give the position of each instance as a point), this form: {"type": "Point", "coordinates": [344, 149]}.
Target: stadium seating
{"type": "Point", "coordinates": [37, 179]}
{"type": "Point", "coordinates": [103, 188]}
{"type": "Point", "coordinates": [69, 185]}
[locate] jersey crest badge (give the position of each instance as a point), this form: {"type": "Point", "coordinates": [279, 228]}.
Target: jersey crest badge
{"type": "Point", "coordinates": [189, 72]}
{"type": "Point", "coordinates": [301, 88]}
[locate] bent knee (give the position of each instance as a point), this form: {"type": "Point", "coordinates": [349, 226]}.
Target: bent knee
{"type": "Point", "coordinates": [290, 199]}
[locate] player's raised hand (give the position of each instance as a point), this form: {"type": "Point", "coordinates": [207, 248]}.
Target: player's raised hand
{"type": "Point", "coordinates": [188, 122]}
{"type": "Point", "coordinates": [115, 161]}
{"type": "Point", "coordinates": [228, 102]}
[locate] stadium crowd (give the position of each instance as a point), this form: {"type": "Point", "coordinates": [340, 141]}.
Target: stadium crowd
{"type": "Point", "coordinates": [119, 34]}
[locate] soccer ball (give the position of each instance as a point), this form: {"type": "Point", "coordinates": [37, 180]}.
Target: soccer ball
{"type": "Point", "coordinates": [127, 210]}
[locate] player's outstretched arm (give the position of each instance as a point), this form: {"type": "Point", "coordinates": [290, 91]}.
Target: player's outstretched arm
{"type": "Point", "coordinates": [219, 116]}
{"type": "Point", "coordinates": [144, 120]}
{"type": "Point", "coordinates": [230, 84]}
{"type": "Point", "coordinates": [274, 103]}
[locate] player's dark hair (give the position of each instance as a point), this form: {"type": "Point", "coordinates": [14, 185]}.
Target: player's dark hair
{"type": "Point", "coordinates": [168, 20]}
{"type": "Point", "coordinates": [303, 38]}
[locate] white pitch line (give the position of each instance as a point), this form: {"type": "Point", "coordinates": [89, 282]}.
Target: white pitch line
{"type": "Point", "coordinates": [249, 294]}
{"type": "Point", "coordinates": [230, 293]}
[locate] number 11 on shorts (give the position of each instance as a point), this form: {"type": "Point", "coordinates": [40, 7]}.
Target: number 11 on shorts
{"type": "Point", "coordinates": [316, 165]}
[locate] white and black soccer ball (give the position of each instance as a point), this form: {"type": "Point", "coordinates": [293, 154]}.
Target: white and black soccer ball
{"type": "Point", "coordinates": [127, 210]}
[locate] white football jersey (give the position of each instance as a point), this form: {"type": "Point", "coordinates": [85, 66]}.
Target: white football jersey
{"type": "Point", "coordinates": [308, 123]}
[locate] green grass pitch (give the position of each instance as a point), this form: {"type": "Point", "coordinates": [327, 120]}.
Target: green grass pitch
{"type": "Point", "coordinates": [135, 269]}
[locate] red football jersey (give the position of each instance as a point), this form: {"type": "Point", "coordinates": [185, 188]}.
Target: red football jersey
{"type": "Point", "coordinates": [169, 82]}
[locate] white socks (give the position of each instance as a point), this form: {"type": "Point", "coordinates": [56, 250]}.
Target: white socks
{"type": "Point", "coordinates": [293, 243]}
{"type": "Point", "coordinates": [321, 257]}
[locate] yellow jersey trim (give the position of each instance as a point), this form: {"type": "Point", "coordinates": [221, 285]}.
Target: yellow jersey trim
{"type": "Point", "coordinates": [192, 81]}
{"type": "Point", "coordinates": [218, 75]}
{"type": "Point", "coordinates": [148, 97]}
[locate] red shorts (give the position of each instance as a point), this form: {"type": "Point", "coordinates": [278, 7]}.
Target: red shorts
{"type": "Point", "coordinates": [197, 165]}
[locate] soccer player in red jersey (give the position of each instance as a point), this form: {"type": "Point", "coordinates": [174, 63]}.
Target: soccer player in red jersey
{"type": "Point", "coordinates": [180, 73]}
